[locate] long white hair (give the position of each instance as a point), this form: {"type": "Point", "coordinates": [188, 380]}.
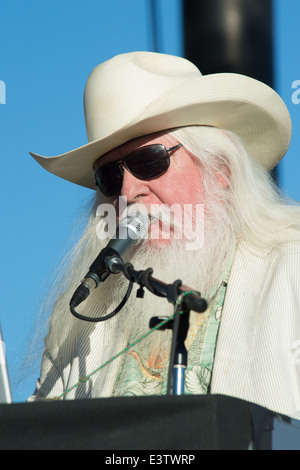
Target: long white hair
{"type": "Point", "coordinates": [260, 211]}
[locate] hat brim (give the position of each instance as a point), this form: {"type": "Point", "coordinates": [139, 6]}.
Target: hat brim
{"type": "Point", "coordinates": [233, 102]}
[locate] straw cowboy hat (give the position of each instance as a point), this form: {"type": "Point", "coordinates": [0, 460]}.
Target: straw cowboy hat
{"type": "Point", "coordinates": [139, 93]}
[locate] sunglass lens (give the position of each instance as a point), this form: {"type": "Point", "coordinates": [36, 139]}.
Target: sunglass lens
{"type": "Point", "coordinates": [109, 179]}
{"type": "Point", "coordinates": [148, 162]}
{"type": "Point", "coordinates": [144, 163]}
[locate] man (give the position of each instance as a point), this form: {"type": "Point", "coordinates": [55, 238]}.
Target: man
{"type": "Point", "coordinates": [166, 138]}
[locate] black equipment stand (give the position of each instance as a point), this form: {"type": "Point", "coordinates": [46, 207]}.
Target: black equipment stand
{"type": "Point", "coordinates": [183, 424]}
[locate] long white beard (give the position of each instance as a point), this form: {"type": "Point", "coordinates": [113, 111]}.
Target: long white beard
{"type": "Point", "coordinates": [200, 270]}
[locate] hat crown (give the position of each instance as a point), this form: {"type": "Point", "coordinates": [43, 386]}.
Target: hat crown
{"type": "Point", "coordinates": [121, 88]}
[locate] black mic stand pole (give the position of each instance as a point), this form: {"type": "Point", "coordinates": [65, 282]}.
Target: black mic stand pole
{"type": "Point", "coordinates": [178, 359]}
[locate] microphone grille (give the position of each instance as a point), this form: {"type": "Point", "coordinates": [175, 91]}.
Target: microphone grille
{"type": "Point", "coordinates": [137, 225]}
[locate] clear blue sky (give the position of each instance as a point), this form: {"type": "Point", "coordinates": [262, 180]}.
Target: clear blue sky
{"type": "Point", "coordinates": [47, 50]}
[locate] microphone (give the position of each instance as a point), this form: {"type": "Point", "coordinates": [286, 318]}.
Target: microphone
{"type": "Point", "coordinates": [129, 232]}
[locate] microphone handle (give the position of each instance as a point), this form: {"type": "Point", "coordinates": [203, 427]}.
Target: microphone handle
{"type": "Point", "coordinates": [117, 247]}
{"type": "Point", "coordinates": [98, 272]}
{"type": "Point", "coordinates": [99, 265]}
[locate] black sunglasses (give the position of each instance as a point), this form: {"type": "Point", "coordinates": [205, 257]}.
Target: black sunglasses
{"type": "Point", "coordinates": [144, 163]}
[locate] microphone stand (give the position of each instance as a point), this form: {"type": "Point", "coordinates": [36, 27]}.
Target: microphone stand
{"type": "Point", "coordinates": [183, 299]}
{"type": "Point", "coordinates": [178, 357]}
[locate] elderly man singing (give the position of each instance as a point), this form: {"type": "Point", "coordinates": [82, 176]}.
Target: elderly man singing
{"type": "Point", "coordinates": [196, 150]}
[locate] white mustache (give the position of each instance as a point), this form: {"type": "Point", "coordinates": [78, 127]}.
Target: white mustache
{"type": "Point", "coordinates": [184, 222]}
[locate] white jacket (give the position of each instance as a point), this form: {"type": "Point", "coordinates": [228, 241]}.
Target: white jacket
{"type": "Point", "coordinates": [258, 350]}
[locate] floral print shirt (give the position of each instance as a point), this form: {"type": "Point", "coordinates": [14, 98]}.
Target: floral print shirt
{"type": "Point", "coordinates": [145, 366]}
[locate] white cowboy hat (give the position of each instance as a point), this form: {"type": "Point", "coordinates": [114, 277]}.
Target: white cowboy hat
{"type": "Point", "coordinates": [139, 93]}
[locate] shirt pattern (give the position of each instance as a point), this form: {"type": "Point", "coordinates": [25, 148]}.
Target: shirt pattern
{"type": "Point", "coordinates": [145, 367]}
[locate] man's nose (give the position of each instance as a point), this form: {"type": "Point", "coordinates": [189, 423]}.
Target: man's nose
{"type": "Point", "coordinates": [133, 188]}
